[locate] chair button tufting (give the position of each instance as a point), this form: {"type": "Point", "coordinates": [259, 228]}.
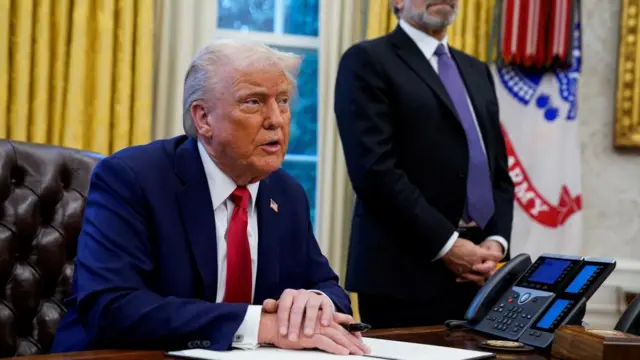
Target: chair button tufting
{"type": "Point", "coordinates": [39, 224]}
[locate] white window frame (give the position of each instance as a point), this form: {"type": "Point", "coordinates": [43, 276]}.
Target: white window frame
{"type": "Point", "coordinates": [280, 39]}
{"type": "Point", "coordinates": [285, 40]}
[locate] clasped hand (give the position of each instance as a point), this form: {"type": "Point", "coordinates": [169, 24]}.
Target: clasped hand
{"type": "Point", "coordinates": [301, 319]}
{"type": "Point", "coordinates": [473, 262]}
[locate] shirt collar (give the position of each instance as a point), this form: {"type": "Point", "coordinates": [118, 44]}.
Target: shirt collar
{"type": "Point", "coordinates": [220, 185]}
{"type": "Point", "coordinates": [426, 43]}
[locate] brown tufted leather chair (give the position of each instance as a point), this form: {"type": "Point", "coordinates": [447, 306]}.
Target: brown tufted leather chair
{"type": "Point", "coordinates": [42, 195]}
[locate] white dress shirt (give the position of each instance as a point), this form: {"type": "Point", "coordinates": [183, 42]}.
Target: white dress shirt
{"type": "Point", "coordinates": [221, 186]}
{"type": "Point", "coordinates": [428, 44]}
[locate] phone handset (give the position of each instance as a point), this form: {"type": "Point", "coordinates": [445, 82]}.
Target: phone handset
{"type": "Point", "coordinates": [629, 322]}
{"type": "Point", "coordinates": [495, 286]}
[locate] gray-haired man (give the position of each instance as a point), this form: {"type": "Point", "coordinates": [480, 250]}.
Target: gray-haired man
{"type": "Point", "coordinates": [420, 128]}
{"type": "Point", "coordinates": [202, 240]}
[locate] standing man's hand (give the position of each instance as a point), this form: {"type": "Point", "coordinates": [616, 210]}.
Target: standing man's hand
{"type": "Point", "coordinates": [487, 268]}
{"type": "Point", "coordinates": [464, 256]}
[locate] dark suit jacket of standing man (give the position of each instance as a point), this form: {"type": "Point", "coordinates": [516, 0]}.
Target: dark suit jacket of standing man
{"type": "Point", "coordinates": [407, 158]}
{"type": "Point", "coordinates": [146, 270]}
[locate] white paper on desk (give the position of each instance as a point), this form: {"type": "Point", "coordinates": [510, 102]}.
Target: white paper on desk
{"type": "Point", "coordinates": [380, 349]}
{"type": "Point", "coordinates": [411, 351]}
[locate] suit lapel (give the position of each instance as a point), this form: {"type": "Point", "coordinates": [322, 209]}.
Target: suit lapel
{"type": "Point", "coordinates": [474, 88]}
{"type": "Point", "coordinates": [197, 215]}
{"type": "Point", "coordinates": [409, 52]}
{"type": "Point", "coordinates": [270, 223]}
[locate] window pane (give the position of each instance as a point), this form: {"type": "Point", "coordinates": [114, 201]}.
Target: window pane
{"type": "Point", "coordinates": [301, 17]}
{"type": "Point", "coordinates": [304, 108]}
{"type": "Point", "coordinates": [305, 173]}
{"type": "Point", "coordinates": [248, 15]}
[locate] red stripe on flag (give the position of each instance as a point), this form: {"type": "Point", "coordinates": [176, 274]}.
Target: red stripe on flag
{"type": "Point", "coordinates": [542, 27]}
{"type": "Point", "coordinates": [507, 31]}
{"type": "Point", "coordinates": [523, 29]}
{"type": "Point", "coordinates": [532, 32]}
{"type": "Point", "coordinates": [565, 27]}
{"type": "Point", "coordinates": [553, 33]}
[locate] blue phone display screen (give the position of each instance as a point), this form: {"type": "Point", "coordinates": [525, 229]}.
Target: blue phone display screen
{"type": "Point", "coordinates": [583, 277]}
{"type": "Point", "coordinates": [552, 314]}
{"type": "Point", "coordinates": [549, 271]}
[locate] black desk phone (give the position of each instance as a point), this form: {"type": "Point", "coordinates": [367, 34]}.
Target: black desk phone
{"type": "Point", "coordinates": [527, 302]}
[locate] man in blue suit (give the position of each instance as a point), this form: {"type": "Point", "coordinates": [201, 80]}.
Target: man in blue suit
{"type": "Point", "coordinates": [202, 240]}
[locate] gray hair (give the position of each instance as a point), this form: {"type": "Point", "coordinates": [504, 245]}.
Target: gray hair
{"type": "Point", "coordinates": [222, 56]}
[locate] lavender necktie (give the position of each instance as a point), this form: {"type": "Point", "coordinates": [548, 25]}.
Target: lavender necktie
{"type": "Point", "coordinates": [479, 206]}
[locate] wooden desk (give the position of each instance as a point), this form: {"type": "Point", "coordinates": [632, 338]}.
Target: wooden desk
{"type": "Point", "coordinates": [460, 339]}
{"type": "Point", "coordinates": [432, 335]}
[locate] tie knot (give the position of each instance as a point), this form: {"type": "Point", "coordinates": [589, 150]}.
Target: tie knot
{"type": "Point", "coordinates": [240, 197]}
{"type": "Point", "coordinates": [441, 50]}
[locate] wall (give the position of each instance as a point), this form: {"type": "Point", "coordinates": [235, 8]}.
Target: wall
{"type": "Point", "coordinates": [611, 180]}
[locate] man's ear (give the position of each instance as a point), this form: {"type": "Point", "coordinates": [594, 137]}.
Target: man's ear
{"type": "Point", "coordinates": [200, 119]}
{"type": "Point", "coordinates": [398, 5]}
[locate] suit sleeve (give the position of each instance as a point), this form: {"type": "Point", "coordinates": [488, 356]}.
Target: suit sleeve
{"type": "Point", "coordinates": [503, 190]}
{"type": "Point", "coordinates": [320, 276]}
{"type": "Point", "coordinates": [114, 263]}
{"type": "Point", "coordinates": [365, 122]}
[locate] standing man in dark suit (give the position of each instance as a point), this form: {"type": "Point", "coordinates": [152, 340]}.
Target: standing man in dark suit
{"type": "Point", "coordinates": [420, 127]}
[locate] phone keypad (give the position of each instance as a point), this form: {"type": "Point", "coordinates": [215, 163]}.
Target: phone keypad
{"type": "Point", "coordinates": [513, 314]}
{"type": "Point", "coordinates": [507, 318]}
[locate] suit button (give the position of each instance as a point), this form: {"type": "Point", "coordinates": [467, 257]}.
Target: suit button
{"type": "Point", "coordinates": [462, 174]}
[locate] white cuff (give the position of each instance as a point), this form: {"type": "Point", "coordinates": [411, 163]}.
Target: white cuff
{"type": "Point", "coordinates": [246, 337]}
{"type": "Point", "coordinates": [445, 249]}
{"type": "Point", "coordinates": [323, 294]}
{"type": "Point", "coordinates": [502, 241]}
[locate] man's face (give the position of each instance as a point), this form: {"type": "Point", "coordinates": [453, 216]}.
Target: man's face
{"type": "Point", "coordinates": [430, 14]}
{"type": "Point", "coordinates": [249, 122]}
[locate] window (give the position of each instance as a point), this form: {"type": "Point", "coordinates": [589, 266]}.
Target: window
{"type": "Point", "coordinates": [288, 25]}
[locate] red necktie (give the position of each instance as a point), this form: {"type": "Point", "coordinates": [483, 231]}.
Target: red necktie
{"type": "Point", "coordinates": [238, 286]}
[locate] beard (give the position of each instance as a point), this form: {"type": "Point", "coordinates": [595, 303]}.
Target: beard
{"type": "Point", "coordinates": [432, 21]}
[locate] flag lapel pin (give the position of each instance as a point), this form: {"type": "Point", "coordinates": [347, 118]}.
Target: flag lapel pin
{"type": "Point", "coordinates": [273, 205]}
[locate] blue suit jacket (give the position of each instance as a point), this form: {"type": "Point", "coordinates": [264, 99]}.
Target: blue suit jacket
{"type": "Point", "coordinates": [146, 267]}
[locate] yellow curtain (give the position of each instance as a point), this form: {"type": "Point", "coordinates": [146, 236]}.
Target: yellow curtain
{"type": "Point", "coordinates": [380, 18]}
{"type": "Point", "coordinates": [469, 32]}
{"type": "Point", "coordinates": [76, 73]}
